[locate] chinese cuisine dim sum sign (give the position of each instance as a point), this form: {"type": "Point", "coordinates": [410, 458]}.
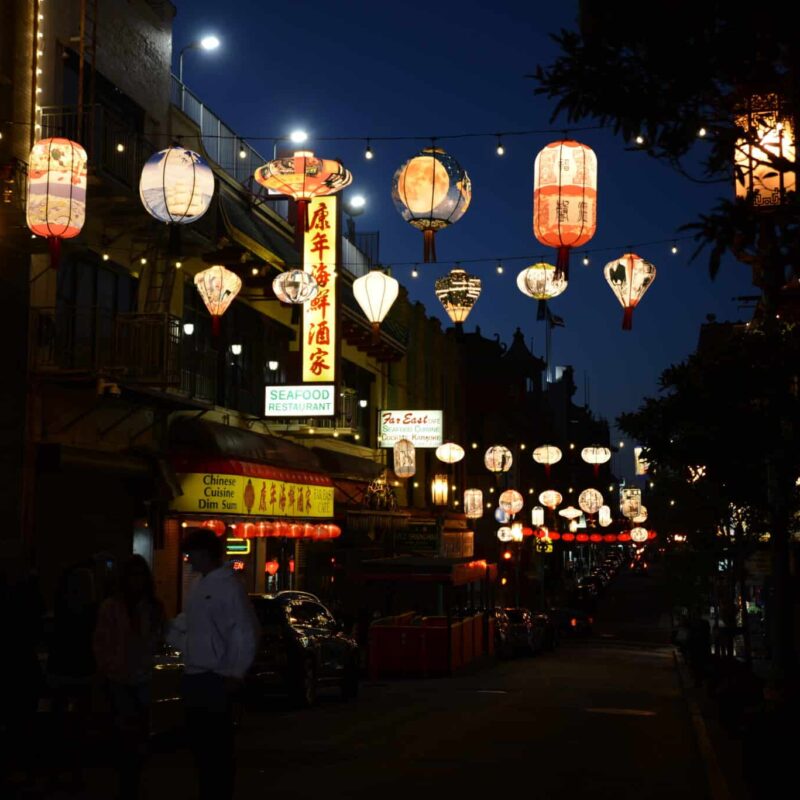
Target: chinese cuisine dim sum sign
{"type": "Point", "coordinates": [421, 428]}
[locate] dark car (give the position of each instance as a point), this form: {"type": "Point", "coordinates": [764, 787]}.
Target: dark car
{"type": "Point", "coordinates": [572, 621]}
{"type": "Point", "coordinates": [525, 636]}
{"type": "Point", "coordinates": [302, 648]}
{"type": "Point", "coordinates": [548, 630]}
{"type": "Point", "coordinates": [639, 568]}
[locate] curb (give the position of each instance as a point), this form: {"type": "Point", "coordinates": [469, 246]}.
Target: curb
{"type": "Point", "coordinates": [717, 785]}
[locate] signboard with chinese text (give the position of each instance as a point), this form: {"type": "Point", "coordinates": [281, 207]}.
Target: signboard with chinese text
{"type": "Point", "coordinates": [320, 245]}
{"type": "Point", "coordinates": [299, 401]}
{"type": "Point", "coordinates": [421, 428]}
{"type": "Point", "coordinates": [208, 492]}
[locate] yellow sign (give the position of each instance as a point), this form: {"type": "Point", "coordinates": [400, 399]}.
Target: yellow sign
{"type": "Point", "coordinates": [319, 315]}
{"type": "Point", "coordinates": [211, 493]}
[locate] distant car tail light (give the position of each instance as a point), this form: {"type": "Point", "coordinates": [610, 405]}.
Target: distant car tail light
{"type": "Point", "coordinates": [573, 622]}
{"type": "Point", "coordinates": [631, 564]}
{"type": "Point", "coordinates": [591, 620]}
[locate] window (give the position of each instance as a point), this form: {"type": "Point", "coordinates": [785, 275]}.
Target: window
{"type": "Point", "coordinates": [310, 614]}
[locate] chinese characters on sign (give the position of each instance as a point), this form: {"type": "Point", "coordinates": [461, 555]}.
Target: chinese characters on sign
{"type": "Point", "coordinates": [319, 314]}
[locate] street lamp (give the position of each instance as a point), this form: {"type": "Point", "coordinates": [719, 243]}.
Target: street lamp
{"type": "Point", "coordinates": [206, 43]}
{"type": "Point", "coordinates": [297, 136]}
{"type": "Point", "coordinates": [353, 206]}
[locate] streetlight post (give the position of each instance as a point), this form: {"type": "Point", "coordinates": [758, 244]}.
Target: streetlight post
{"type": "Point", "coordinates": [206, 43]}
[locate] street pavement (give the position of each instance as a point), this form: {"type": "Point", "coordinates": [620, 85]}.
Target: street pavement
{"type": "Point", "coordinates": [602, 717]}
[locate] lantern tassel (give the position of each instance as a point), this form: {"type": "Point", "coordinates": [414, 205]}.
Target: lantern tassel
{"type": "Point", "coordinates": [541, 310]}
{"type": "Point", "coordinates": [562, 262]}
{"type": "Point", "coordinates": [596, 470]}
{"type": "Point", "coordinates": [54, 245]}
{"type": "Point", "coordinates": [428, 246]}
{"type": "Point", "coordinates": [547, 470]}
{"type": "Point", "coordinates": [627, 319]}
{"type": "Point", "coordinates": [215, 325]}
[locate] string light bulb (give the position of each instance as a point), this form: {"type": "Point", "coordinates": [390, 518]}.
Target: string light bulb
{"type": "Point", "coordinates": [242, 152]}
{"type": "Point", "coordinates": [368, 154]}
{"type": "Point", "coordinates": [639, 139]}
{"type": "Point", "coordinates": [674, 249]}
{"type": "Point", "coordinates": [499, 269]}
{"type": "Point", "coordinates": [178, 264]}
{"type": "Point", "coordinates": [414, 273]}
{"type": "Point", "coordinates": [702, 132]}
{"type": "Point", "coordinates": [501, 151]}
{"type": "Point", "coordinates": [586, 261]}
{"type": "Point", "coordinates": [105, 256]}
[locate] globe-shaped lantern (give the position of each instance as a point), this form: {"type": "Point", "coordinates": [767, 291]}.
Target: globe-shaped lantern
{"type": "Point", "coordinates": [501, 515]}
{"type": "Point", "coordinates": [537, 516]}
{"type": "Point", "coordinates": [303, 176]}
{"type": "Point", "coordinates": [639, 535]}
{"type": "Point", "coordinates": [641, 517]}
{"type": "Point", "coordinates": [630, 501]}
{"type": "Point", "coordinates": [218, 287]}
{"type": "Point", "coordinates": [511, 501]}
{"type": "Point", "coordinates": [570, 513]}
{"type": "Point", "coordinates": [505, 534]}
{"type": "Point", "coordinates": [56, 202]}
{"type": "Point", "coordinates": [550, 499]}
{"type": "Point", "coordinates": [542, 283]}
{"type": "Point", "coordinates": [547, 454]}
{"type": "Point", "coordinates": [176, 186]}
{"type": "Point", "coordinates": [565, 198]}
{"type": "Point", "coordinates": [498, 459]}
{"type": "Point", "coordinates": [590, 501]}
{"type": "Point", "coordinates": [375, 292]}
{"type": "Point", "coordinates": [596, 455]}
{"type": "Point", "coordinates": [405, 459]}
{"type": "Point", "coordinates": [458, 292]}
{"type": "Point", "coordinates": [449, 452]}
{"type": "Point", "coordinates": [431, 191]}
{"type": "Point", "coordinates": [629, 278]}
{"type": "Point", "coordinates": [604, 516]}
{"type": "Point", "coordinates": [473, 503]}
{"type": "Point", "coordinates": [295, 286]}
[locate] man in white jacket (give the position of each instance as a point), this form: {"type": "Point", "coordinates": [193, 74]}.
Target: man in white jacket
{"type": "Point", "coordinates": [217, 634]}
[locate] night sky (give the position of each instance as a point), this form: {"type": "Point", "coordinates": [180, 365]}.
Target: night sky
{"type": "Point", "coordinates": [360, 68]}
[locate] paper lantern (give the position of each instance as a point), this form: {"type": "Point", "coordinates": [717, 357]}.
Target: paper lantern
{"type": "Point", "coordinates": [218, 287]}
{"type": "Point", "coordinates": [550, 499]}
{"type": "Point", "coordinates": [511, 501]}
{"type": "Point", "coordinates": [295, 286]}
{"type": "Point", "coordinates": [567, 537]}
{"type": "Point", "coordinates": [651, 534]}
{"type": "Point", "coordinates": [542, 283]}
{"type": "Point", "coordinates": [439, 489]}
{"type": "Point", "coordinates": [431, 191]}
{"type": "Point", "coordinates": [595, 538]}
{"type": "Point", "coordinates": [554, 536]}
{"type": "Point", "coordinates": [565, 198]}
{"type": "Point", "coordinates": [245, 530]}
{"type": "Point", "coordinates": [375, 292]}
{"type": "Point", "coordinates": [473, 503]}
{"type": "Point", "coordinates": [176, 186]}
{"type": "Point", "coordinates": [449, 452]}
{"type": "Point", "coordinates": [537, 516]}
{"type": "Point", "coordinates": [629, 278]}
{"type": "Point", "coordinates": [335, 531]}
{"type": "Point", "coordinates": [624, 537]}
{"type": "Point", "coordinates": [309, 531]}
{"type": "Point", "coordinates": [582, 537]}
{"type": "Point", "coordinates": [604, 516]}
{"type": "Point", "coordinates": [570, 512]}
{"type": "Point", "coordinates": [303, 176]}
{"type": "Point", "coordinates": [504, 534]}
{"type": "Point", "coordinates": [609, 538]}
{"type": "Point", "coordinates": [573, 525]}
{"type": "Point", "coordinates": [265, 529]}
{"type": "Point", "coordinates": [405, 459]}
{"type": "Point", "coordinates": [630, 501]}
{"type": "Point", "coordinates": [766, 123]}
{"type": "Point", "coordinates": [501, 515]}
{"type": "Point", "coordinates": [271, 567]}
{"type": "Point", "coordinates": [498, 459]}
{"type": "Point", "coordinates": [216, 525]}
{"type": "Point", "coordinates": [639, 535]}
{"type": "Point", "coordinates": [458, 293]}
{"type": "Point", "coordinates": [279, 529]}
{"type": "Point", "coordinates": [517, 534]}
{"type": "Point", "coordinates": [590, 501]}
{"type": "Point", "coordinates": [56, 203]}
{"type": "Point", "coordinates": [547, 454]}
{"type": "Point", "coordinates": [527, 532]}
{"type": "Point", "coordinates": [641, 517]}
{"type": "Point", "coordinates": [596, 455]}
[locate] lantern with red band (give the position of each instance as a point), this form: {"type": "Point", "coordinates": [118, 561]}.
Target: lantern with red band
{"type": "Point", "coordinates": [56, 204]}
{"type": "Point", "coordinates": [629, 278]}
{"type": "Point", "coordinates": [547, 454]}
{"type": "Point", "coordinates": [302, 177]}
{"type": "Point", "coordinates": [216, 525]}
{"type": "Point", "coordinates": [218, 287]}
{"type": "Point", "coordinates": [431, 191]}
{"type": "Point", "coordinates": [596, 455]}
{"type": "Point", "coordinates": [565, 198]}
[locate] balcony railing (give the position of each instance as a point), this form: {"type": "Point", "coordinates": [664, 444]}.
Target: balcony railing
{"type": "Point", "coordinates": [129, 348]}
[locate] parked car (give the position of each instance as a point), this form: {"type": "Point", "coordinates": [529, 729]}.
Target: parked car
{"type": "Point", "coordinates": [502, 639]}
{"type": "Point", "coordinates": [572, 621]}
{"type": "Point", "coordinates": [549, 630]}
{"type": "Point", "coordinates": [302, 649]}
{"type": "Point", "coordinates": [639, 568]}
{"type": "Point", "coordinates": [525, 636]}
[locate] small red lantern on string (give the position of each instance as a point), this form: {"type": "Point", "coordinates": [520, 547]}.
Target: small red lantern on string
{"type": "Point", "coordinates": [309, 531]}
{"type": "Point", "coordinates": [566, 537]}
{"type": "Point", "coordinates": [279, 529]}
{"type": "Point", "coordinates": [595, 537]}
{"type": "Point", "coordinates": [335, 531]}
{"type": "Point", "coordinates": [555, 535]}
{"type": "Point", "coordinates": [216, 525]}
{"type": "Point", "coordinates": [245, 530]}
{"type": "Point", "coordinates": [265, 529]}
{"type": "Point", "coordinates": [271, 567]}
{"type": "Point", "coordinates": [609, 538]}
{"type": "Point", "coordinates": [624, 537]}
{"type": "Point", "coordinates": [582, 537]}
{"type": "Point", "coordinates": [565, 198]}
{"type": "Point", "coordinates": [295, 531]}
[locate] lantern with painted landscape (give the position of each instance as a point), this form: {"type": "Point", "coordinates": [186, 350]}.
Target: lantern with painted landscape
{"type": "Point", "coordinates": [537, 516]}
{"type": "Point", "coordinates": [629, 277]}
{"type": "Point", "coordinates": [449, 453]}
{"type": "Point", "coordinates": [547, 454]}
{"type": "Point", "coordinates": [596, 454]}
{"type": "Point", "coordinates": [405, 458]}
{"type": "Point", "coordinates": [458, 292]}
{"type": "Point", "coordinates": [473, 503]}
{"type": "Point", "coordinates": [604, 516]}
{"type": "Point", "coordinates": [218, 287]}
{"type": "Point", "coordinates": [511, 501]}
{"type": "Point", "coordinates": [295, 286]}
{"type": "Point", "coordinates": [176, 186]}
{"type": "Point", "coordinates": [542, 283]}
{"type": "Point", "coordinates": [565, 198]}
{"type": "Point", "coordinates": [550, 499]}
{"type": "Point", "coordinates": [56, 202]}
{"type": "Point", "coordinates": [431, 191]}
{"type": "Point", "coordinates": [590, 501]}
{"type": "Point", "coordinates": [630, 501]}
{"type": "Point", "coordinates": [498, 459]}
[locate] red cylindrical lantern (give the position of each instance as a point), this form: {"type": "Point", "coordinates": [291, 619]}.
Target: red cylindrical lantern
{"type": "Point", "coordinates": [309, 531]}
{"type": "Point", "coordinates": [567, 537]}
{"type": "Point", "coordinates": [582, 537]}
{"type": "Point", "coordinates": [624, 537]}
{"type": "Point", "coordinates": [610, 538]}
{"type": "Point", "coordinates": [279, 529]}
{"type": "Point", "coordinates": [335, 531]}
{"type": "Point", "coordinates": [295, 531]}
{"type": "Point", "coordinates": [595, 537]}
{"type": "Point", "coordinates": [555, 535]}
{"type": "Point", "coordinates": [216, 525]}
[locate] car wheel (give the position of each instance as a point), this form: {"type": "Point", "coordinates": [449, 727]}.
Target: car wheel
{"type": "Point", "coordinates": [304, 689]}
{"type": "Point", "coordinates": [350, 682]}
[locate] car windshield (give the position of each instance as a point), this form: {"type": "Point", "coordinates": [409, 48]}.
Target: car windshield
{"type": "Point", "coordinates": [515, 615]}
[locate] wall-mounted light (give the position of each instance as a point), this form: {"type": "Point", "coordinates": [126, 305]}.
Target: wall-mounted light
{"type": "Point", "coordinates": [273, 365]}
{"type": "Point", "coordinates": [362, 403]}
{"type": "Point", "coordinates": [236, 349]}
{"type": "Point", "coordinates": [439, 490]}
{"type": "Point", "coordinates": [188, 328]}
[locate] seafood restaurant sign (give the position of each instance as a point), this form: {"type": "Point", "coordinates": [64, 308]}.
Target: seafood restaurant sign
{"type": "Point", "coordinates": [421, 428]}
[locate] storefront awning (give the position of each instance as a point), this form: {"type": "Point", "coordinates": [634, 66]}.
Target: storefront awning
{"type": "Point", "coordinates": [348, 467]}
{"type": "Point", "coordinates": [411, 569]}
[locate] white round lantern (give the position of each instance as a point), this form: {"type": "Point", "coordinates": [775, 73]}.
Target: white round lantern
{"type": "Point", "coordinates": [641, 516]}
{"type": "Point", "coordinates": [176, 185]}
{"type": "Point", "coordinates": [511, 501]}
{"type": "Point", "coordinates": [590, 501]}
{"type": "Point", "coordinates": [630, 501]}
{"type": "Point", "coordinates": [449, 452]}
{"type": "Point", "coordinates": [547, 454]}
{"type": "Point", "coordinates": [375, 292]}
{"type": "Point", "coordinates": [505, 534]}
{"type": "Point", "coordinates": [639, 535]}
{"type": "Point", "coordinates": [570, 512]}
{"type": "Point", "coordinates": [537, 516]}
{"type": "Point", "coordinates": [604, 516]}
{"type": "Point", "coordinates": [405, 459]}
{"type": "Point", "coordinates": [473, 503]}
{"type": "Point", "coordinates": [295, 286]}
{"type": "Point", "coordinates": [550, 499]}
{"type": "Point", "coordinates": [596, 455]}
{"type": "Point", "coordinates": [498, 459]}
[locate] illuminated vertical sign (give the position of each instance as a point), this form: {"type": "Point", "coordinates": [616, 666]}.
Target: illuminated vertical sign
{"type": "Point", "coordinates": [319, 315]}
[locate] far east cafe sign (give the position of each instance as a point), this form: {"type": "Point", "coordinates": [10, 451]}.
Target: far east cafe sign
{"type": "Point", "coordinates": [421, 428]}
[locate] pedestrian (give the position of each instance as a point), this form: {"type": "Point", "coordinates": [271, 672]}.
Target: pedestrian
{"type": "Point", "coordinates": [217, 635]}
{"type": "Point", "coordinates": [129, 631]}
